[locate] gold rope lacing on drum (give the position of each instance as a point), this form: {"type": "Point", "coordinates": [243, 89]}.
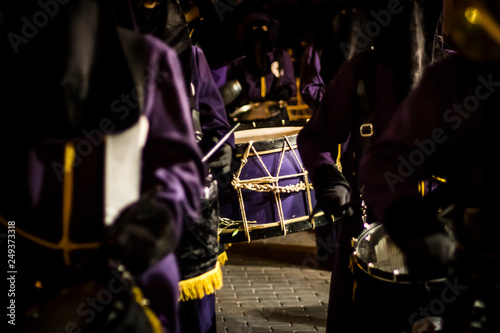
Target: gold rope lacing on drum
{"type": "Point", "coordinates": [270, 183]}
{"type": "Point", "coordinates": [252, 186]}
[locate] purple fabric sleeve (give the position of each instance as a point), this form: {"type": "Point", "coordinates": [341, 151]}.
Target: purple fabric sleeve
{"type": "Point", "coordinates": [161, 284]}
{"type": "Point", "coordinates": [312, 86]}
{"type": "Point", "coordinates": [213, 117]}
{"type": "Point", "coordinates": [171, 156]}
{"type": "Point", "coordinates": [219, 75]}
{"type": "Point", "coordinates": [331, 123]}
{"type": "Point", "coordinates": [288, 78]}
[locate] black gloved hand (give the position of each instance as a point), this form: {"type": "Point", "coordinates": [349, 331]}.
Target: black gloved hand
{"type": "Point", "coordinates": [428, 257]}
{"type": "Point", "coordinates": [142, 234]}
{"type": "Point", "coordinates": [220, 162]}
{"type": "Point", "coordinates": [332, 199]}
{"type": "Point", "coordinates": [413, 225]}
{"type": "Point", "coordinates": [331, 190]}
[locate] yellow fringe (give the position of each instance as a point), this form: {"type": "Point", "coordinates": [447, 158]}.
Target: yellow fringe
{"type": "Point", "coordinates": [153, 320]}
{"type": "Point", "coordinates": [222, 258]}
{"type": "Point", "coordinates": [199, 286]}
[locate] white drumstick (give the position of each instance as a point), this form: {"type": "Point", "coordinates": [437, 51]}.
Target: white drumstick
{"type": "Point", "coordinates": [220, 143]}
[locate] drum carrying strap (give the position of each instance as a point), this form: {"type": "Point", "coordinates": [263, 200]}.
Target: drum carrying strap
{"type": "Point", "coordinates": [198, 131]}
{"type": "Point", "coordinates": [365, 103]}
{"type": "Point", "coordinates": [365, 109]}
{"type": "Point", "coordinates": [366, 127]}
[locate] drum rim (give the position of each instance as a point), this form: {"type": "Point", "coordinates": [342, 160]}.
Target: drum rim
{"type": "Point", "coordinates": [379, 274]}
{"type": "Point", "coordinates": [389, 277]}
{"type": "Point", "coordinates": [271, 145]}
{"type": "Point", "coordinates": [226, 235]}
{"type": "Point", "coordinates": [271, 123]}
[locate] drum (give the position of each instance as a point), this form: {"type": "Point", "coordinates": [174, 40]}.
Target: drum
{"type": "Point", "coordinates": [384, 293]}
{"type": "Point", "coordinates": [376, 255]}
{"type": "Point", "coordinates": [270, 193]}
{"type": "Point", "coordinates": [260, 112]}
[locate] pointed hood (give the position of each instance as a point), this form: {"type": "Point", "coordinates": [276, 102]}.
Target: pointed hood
{"type": "Point", "coordinates": [64, 69]}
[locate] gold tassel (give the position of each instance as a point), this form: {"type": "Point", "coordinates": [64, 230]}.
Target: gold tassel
{"type": "Point", "coordinates": [199, 286]}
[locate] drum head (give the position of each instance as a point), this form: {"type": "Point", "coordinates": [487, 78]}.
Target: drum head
{"type": "Point", "coordinates": [261, 134]}
{"type": "Point", "coordinates": [259, 111]}
{"type": "Point", "coordinates": [377, 251]}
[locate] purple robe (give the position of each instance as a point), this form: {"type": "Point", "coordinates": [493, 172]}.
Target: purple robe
{"type": "Point", "coordinates": [31, 189]}
{"type": "Point", "coordinates": [198, 315]}
{"type": "Point", "coordinates": [442, 86]}
{"type": "Point", "coordinates": [447, 127]}
{"type": "Point", "coordinates": [337, 115]}
{"type": "Point", "coordinates": [186, 186]}
{"type": "Point", "coordinates": [336, 122]}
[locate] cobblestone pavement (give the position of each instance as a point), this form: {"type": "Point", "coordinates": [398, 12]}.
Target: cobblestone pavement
{"type": "Point", "coordinates": [273, 285]}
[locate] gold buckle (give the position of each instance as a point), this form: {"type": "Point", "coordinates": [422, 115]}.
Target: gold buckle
{"type": "Point", "coordinates": [366, 130]}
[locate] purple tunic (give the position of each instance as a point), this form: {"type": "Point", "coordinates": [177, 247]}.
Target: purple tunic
{"type": "Point", "coordinates": [184, 182]}
{"type": "Point", "coordinates": [335, 122]}
{"type": "Point", "coordinates": [167, 107]}
{"type": "Point", "coordinates": [338, 114]}
{"type": "Point", "coordinates": [447, 127]}
{"type": "Point", "coordinates": [31, 191]}
{"type": "Point", "coordinates": [198, 315]}
{"type": "Point", "coordinates": [447, 98]}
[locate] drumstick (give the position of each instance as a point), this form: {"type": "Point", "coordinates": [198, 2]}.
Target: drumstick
{"type": "Point", "coordinates": [343, 209]}
{"type": "Point", "coordinates": [220, 143]}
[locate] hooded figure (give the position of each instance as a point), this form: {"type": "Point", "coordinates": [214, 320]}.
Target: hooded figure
{"type": "Point", "coordinates": [459, 99]}
{"type": "Point", "coordinates": [320, 62]}
{"type": "Point", "coordinates": [198, 250]}
{"type": "Point", "coordinates": [355, 109]}
{"type": "Point", "coordinates": [266, 73]}
{"type": "Point", "coordinates": [104, 164]}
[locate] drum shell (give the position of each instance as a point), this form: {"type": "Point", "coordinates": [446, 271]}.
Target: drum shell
{"type": "Point", "coordinates": [388, 299]}
{"type": "Point", "coordinates": [395, 307]}
{"type": "Point", "coordinates": [262, 208]}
